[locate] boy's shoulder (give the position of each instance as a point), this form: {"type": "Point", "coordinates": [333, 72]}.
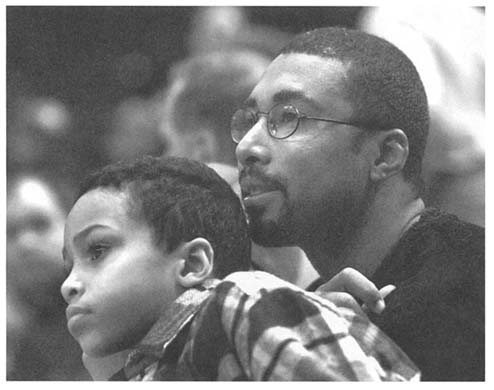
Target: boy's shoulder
{"type": "Point", "coordinates": [257, 326]}
{"type": "Point", "coordinates": [256, 286]}
{"type": "Point", "coordinates": [251, 282]}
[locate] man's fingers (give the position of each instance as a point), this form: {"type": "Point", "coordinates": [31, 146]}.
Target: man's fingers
{"type": "Point", "coordinates": [342, 299]}
{"type": "Point", "coordinates": [386, 290]}
{"type": "Point", "coordinates": [353, 282]}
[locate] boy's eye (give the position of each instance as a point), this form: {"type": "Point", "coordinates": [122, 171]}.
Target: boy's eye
{"type": "Point", "coordinates": [97, 250]}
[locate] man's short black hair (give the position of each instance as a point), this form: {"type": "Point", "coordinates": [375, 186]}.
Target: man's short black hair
{"type": "Point", "coordinates": [180, 200]}
{"type": "Point", "coordinates": [382, 84]}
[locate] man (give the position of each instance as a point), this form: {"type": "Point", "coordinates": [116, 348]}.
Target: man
{"type": "Point", "coordinates": [330, 144]}
{"type": "Point", "coordinates": [203, 92]}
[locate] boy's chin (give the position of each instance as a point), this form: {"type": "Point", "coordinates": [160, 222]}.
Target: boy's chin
{"type": "Point", "coordinates": [102, 368]}
{"type": "Point", "coordinates": [92, 348]}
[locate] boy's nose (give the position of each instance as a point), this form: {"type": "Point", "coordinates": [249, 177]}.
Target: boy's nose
{"type": "Point", "coordinates": [71, 288]}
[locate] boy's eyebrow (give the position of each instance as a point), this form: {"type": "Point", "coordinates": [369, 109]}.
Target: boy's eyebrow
{"type": "Point", "coordinates": [78, 237]}
{"type": "Point", "coordinates": [84, 232]}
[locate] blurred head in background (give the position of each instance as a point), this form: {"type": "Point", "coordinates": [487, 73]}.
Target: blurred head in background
{"type": "Point", "coordinates": [39, 346]}
{"type": "Point", "coordinates": [227, 28]}
{"type": "Point", "coordinates": [133, 131]}
{"type": "Point", "coordinates": [203, 93]}
{"type": "Point", "coordinates": [38, 132]}
{"type": "Point", "coordinates": [35, 220]}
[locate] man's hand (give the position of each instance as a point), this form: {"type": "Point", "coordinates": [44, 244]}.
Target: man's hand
{"type": "Point", "coordinates": [349, 285]}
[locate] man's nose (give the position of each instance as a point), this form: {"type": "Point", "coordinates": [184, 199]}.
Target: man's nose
{"type": "Point", "coordinates": [254, 147]}
{"type": "Point", "coordinates": [71, 288]}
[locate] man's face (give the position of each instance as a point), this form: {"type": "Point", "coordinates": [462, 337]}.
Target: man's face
{"type": "Point", "coordinates": [120, 281]}
{"type": "Point", "coordinates": [309, 185]}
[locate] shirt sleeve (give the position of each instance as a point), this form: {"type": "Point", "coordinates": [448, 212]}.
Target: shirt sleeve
{"type": "Point", "coordinates": [251, 330]}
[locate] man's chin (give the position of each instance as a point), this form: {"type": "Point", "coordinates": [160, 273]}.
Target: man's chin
{"type": "Point", "coordinates": [269, 234]}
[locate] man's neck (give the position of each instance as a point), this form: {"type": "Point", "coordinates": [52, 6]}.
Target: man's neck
{"type": "Point", "coordinates": [387, 218]}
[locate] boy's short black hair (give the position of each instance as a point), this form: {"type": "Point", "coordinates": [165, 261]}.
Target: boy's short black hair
{"type": "Point", "coordinates": [382, 83]}
{"type": "Point", "coordinates": [180, 200]}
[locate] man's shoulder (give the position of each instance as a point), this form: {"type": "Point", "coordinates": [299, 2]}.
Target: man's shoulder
{"type": "Point", "coordinates": [441, 237]}
{"type": "Point", "coordinates": [436, 257]}
{"type": "Point", "coordinates": [438, 268]}
{"type": "Point", "coordinates": [449, 228]}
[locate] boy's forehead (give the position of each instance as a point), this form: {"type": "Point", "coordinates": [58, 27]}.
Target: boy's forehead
{"type": "Point", "coordinates": [99, 206]}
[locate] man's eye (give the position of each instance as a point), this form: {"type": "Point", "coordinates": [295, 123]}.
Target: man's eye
{"type": "Point", "coordinates": [96, 251]}
{"type": "Point", "coordinates": [288, 116]}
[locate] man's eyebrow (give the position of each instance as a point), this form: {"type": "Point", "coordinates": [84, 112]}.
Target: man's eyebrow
{"type": "Point", "coordinates": [286, 95]}
{"type": "Point", "coordinates": [250, 103]}
{"type": "Point", "coordinates": [283, 96]}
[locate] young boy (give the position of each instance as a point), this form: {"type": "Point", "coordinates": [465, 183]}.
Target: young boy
{"type": "Point", "coordinates": [145, 246]}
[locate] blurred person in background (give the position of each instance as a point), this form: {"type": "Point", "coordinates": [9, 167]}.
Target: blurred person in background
{"type": "Point", "coordinates": [133, 131]}
{"type": "Point", "coordinates": [38, 132]}
{"type": "Point", "coordinates": [228, 28]}
{"type": "Point", "coordinates": [200, 98]}
{"type": "Point", "coordinates": [446, 44]}
{"type": "Point", "coordinates": [39, 346]}
{"type": "Point", "coordinates": [197, 106]}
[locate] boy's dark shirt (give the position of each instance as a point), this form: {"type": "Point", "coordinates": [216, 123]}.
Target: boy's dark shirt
{"type": "Point", "coordinates": [436, 313]}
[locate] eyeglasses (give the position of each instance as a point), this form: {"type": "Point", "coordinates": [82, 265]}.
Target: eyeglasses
{"type": "Point", "coordinates": [283, 121]}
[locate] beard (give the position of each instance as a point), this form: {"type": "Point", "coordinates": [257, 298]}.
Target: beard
{"type": "Point", "coordinates": [269, 232]}
{"type": "Point", "coordinates": [333, 219]}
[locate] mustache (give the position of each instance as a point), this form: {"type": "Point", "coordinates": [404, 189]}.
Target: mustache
{"type": "Point", "coordinates": [255, 176]}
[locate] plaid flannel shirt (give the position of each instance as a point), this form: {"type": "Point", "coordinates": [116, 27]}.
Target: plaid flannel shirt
{"type": "Point", "coordinates": [254, 326]}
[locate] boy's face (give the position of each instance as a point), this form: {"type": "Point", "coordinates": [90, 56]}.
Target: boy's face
{"type": "Point", "coordinates": [120, 281]}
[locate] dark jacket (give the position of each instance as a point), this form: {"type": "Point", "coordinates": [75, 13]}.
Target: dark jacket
{"type": "Point", "coordinates": [436, 313]}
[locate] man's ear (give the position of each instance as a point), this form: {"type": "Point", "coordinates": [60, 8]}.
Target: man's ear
{"type": "Point", "coordinates": [196, 263]}
{"type": "Point", "coordinates": [393, 154]}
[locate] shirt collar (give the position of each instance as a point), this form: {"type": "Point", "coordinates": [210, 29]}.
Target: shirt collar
{"type": "Point", "coordinates": [170, 322]}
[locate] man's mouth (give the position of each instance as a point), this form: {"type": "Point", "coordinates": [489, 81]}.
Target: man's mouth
{"type": "Point", "coordinates": [251, 188]}
{"type": "Point", "coordinates": [257, 188]}
{"type": "Point", "coordinates": [257, 193]}
{"type": "Point", "coordinates": [253, 192]}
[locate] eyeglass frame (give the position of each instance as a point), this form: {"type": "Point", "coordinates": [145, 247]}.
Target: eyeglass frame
{"type": "Point", "coordinates": [299, 117]}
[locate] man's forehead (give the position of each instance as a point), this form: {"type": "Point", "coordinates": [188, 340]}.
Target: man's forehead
{"type": "Point", "coordinates": [301, 77]}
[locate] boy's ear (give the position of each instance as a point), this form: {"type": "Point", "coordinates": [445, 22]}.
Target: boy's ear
{"type": "Point", "coordinates": [392, 155]}
{"type": "Point", "coordinates": [196, 263]}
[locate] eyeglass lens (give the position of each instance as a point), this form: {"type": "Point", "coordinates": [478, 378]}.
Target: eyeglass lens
{"type": "Point", "coordinates": [282, 121]}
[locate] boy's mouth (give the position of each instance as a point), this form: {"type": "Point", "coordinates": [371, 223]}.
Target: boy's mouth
{"type": "Point", "coordinates": [73, 311]}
